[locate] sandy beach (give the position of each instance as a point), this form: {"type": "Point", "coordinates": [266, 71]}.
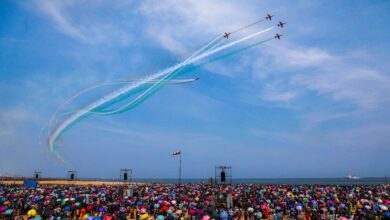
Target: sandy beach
{"type": "Point", "coordinates": [67, 182]}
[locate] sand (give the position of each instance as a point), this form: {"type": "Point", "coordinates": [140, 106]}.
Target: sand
{"type": "Point", "coordinates": [66, 182]}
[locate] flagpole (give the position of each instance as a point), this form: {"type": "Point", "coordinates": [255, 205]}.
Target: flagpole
{"type": "Point", "coordinates": [180, 170]}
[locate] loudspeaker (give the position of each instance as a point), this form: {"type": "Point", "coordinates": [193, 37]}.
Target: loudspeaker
{"type": "Point", "coordinates": [223, 176]}
{"type": "Point", "coordinates": [72, 176]}
{"type": "Point", "coordinates": [36, 176]}
{"type": "Point", "coordinates": [125, 176]}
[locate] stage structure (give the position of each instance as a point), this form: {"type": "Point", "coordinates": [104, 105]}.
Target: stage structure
{"type": "Point", "coordinates": [72, 175]}
{"type": "Point", "coordinates": [126, 175]}
{"type": "Point", "coordinates": [223, 174]}
{"type": "Point", "coordinates": [37, 175]}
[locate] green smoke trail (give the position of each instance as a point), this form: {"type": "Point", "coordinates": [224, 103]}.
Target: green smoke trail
{"type": "Point", "coordinates": [155, 87]}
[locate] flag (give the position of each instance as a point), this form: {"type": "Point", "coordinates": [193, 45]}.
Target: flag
{"type": "Point", "coordinates": [176, 153]}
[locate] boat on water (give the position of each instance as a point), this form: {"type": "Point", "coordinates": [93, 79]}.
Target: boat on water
{"type": "Point", "coordinates": [353, 177]}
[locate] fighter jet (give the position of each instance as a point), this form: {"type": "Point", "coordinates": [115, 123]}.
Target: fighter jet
{"type": "Point", "coordinates": [277, 36]}
{"type": "Point", "coordinates": [281, 24]}
{"type": "Point", "coordinates": [269, 17]}
{"type": "Point", "coordinates": [226, 35]}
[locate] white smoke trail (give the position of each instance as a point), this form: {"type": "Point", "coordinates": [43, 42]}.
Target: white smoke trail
{"type": "Point", "coordinates": [125, 89]}
{"type": "Point", "coordinates": [120, 82]}
{"type": "Point", "coordinates": [54, 116]}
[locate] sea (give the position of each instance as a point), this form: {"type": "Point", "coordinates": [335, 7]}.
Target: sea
{"type": "Point", "coordinates": [278, 181]}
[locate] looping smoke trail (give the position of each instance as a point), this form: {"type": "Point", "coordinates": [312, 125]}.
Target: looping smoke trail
{"type": "Point", "coordinates": [151, 91]}
{"type": "Point", "coordinates": [120, 93]}
{"type": "Point", "coordinates": [119, 82]}
{"type": "Point", "coordinates": [145, 80]}
{"type": "Point", "coordinates": [138, 100]}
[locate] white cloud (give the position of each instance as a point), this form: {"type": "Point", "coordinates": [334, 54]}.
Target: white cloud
{"type": "Point", "coordinates": [274, 92]}
{"type": "Point", "coordinates": [181, 23]}
{"type": "Point", "coordinates": [73, 18]}
{"type": "Point", "coordinates": [297, 56]}
{"type": "Point", "coordinates": [55, 10]}
{"type": "Point", "coordinates": [363, 87]}
{"type": "Point", "coordinates": [338, 77]}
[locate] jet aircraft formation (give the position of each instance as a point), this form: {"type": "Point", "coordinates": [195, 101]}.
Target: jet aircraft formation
{"type": "Point", "coordinates": [268, 17]}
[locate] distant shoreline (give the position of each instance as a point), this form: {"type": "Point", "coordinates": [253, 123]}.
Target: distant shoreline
{"type": "Point", "coordinates": [276, 181]}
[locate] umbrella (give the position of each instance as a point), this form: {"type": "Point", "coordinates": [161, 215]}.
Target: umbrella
{"type": "Point", "coordinates": [224, 215]}
{"type": "Point", "coordinates": [31, 212]}
{"type": "Point", "coordinates": [206, 217]}
{"type": "Point", "coordinates": [299, 208]}
{"type": "Point", "coordinates": [144, 216]}
{"type": "Point", "coordinates": [383, 207]}
{"type": "Point", "coordinates": [192, 212]}
{"type": "Point", "coordinates": [160, 217]}
{"type": "Point", "coordinates": [8, 212]}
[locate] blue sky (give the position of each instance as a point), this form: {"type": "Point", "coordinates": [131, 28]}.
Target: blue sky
{"type": "Point", "coordinates": [315, 104]}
